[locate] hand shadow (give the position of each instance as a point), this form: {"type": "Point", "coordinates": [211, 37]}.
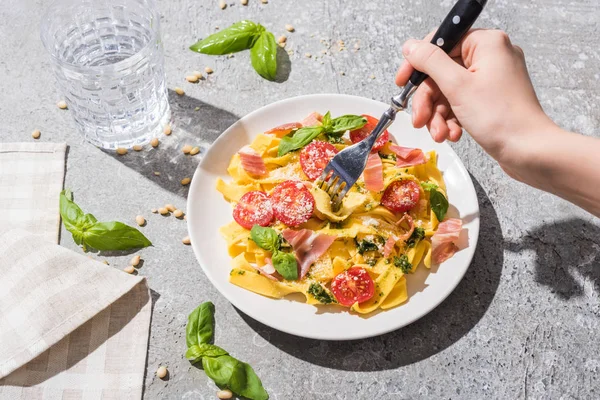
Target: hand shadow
{"type": "Point", "coordinates": [565, 251]}
{"type": "Point", "coordinates": [194, 122]}
{"type": "Point", "coordinates": [436, 331]}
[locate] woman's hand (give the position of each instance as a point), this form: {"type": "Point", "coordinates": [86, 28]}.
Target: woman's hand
{"type": "Point", "coordinates": [484, 88]}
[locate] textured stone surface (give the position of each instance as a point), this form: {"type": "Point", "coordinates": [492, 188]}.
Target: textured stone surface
{"type": "Point", "coordinates": [524, 322]}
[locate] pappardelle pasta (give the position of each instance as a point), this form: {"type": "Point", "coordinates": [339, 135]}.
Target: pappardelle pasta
{"type": "Point", "coordinates": [286, 238]}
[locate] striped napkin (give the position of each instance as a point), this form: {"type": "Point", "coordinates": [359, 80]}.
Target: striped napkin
{"type": "Point", "coordinates": [70, 327]}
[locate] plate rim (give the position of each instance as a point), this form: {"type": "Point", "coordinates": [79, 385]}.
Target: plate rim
{"type": "Point", "coordinates": [241, 306]}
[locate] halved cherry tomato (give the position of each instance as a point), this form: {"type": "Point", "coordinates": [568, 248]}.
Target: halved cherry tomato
{"type": "Point", "coordinates": [359, 135]}
{"type": "Point", "coordinates": [401, 196]}
{"type": "Point", "coordinates": [292, 202]}
{"type": "Point", "coordinates": [314, 158]}
{"type": "Point", "coordinates": [353, 286]}
{"type": "Point", "coordinates": [253, 208]}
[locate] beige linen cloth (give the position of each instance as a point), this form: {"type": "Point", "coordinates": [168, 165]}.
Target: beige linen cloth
{"type": "Point", "coordinates": [70, 327]}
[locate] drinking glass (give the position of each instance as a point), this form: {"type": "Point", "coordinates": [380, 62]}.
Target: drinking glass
{"type": "Point", "coordinates": [108, 61]}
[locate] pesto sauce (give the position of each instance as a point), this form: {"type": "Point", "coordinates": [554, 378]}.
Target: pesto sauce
{"type": "Point", "coordinates": [321, 294]}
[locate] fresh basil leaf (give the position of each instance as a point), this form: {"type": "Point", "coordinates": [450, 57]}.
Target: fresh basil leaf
{"type": "Point", "coordinates": [265, 238]}
{"type": "Point", "coordinates": [197, 351]}
{"type": "Point", "coordinates": [301, 138]}
{"type": "Point", "coordinates": [235, 375]}
{"type": "Point", "coordinates": [263, 56]}
{"type": "Point", "coordinates": [114, 235]}
{"type": "Point", "coordinates": [239, 36]}
{"type": "Point", "coordinates": [439, 204]}
{"type": "Point", "coordinates": [201, 325]}
{"type": "Point", "coordinates": [347, 123]}
{"type": "Point", "coordinates": [429, 186]}
{"type": "Point", "coordinates": [286, 265]}
{"type": "Point", "coordinates": [71, 213]}
{"type": "Point", "coordinates": [326, 122]}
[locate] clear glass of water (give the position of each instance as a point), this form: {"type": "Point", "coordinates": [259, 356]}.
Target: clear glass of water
{"type": "Point", "coordinates": [108, 61]}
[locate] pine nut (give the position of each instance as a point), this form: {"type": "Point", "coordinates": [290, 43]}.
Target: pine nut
{"type": "Point", "coordinates": [244, 2]}
{"type": "Point", "coordinates": [224, 394]}
{"type": "Point", "coordinates": [154, 211]}
{"type": "Point", "coordinates": [208, 70]}
{"type": "Point", "coordinates": [170, 207]}
{"type": "Point", "coordinates": [186, 181]}
{"type": "Point", "coordinates": [140, 220]}
{"type": "Point", "coordinates": [198, 74]}
{"type": "Point", "coordinates": [178, 213]}
{"type": "Point", "coordinates": [138, 147]}
{"type": "Point", "coordinates": [154, 142]}
{"type": "Point", "coordinates": [191, 78]}
{"type": "Point", "coordinates": [194, 151]}
{"type": "Point", "coordinates": [179, 91]}
{"type": "Point", "coordinates": [36, 134]}
{"type": "Point", "coordinates": [222, 4]}
{"type": "Point", "coordinates": [105, 262]}
{"type": "Point", "coordinates": [264, 1]}
{"type": "Point", "coordinates": [157, 173]}
{"type": "Point", "coordinates": [289, 28]}
{"type": "Point", "coordinates": [186, 240]}
{"type": "Point", "coordinates": [161, 372]}
{"type": "Point", "coordinates": [135, 261]}
{"type": "Point", "coordinates": [163, 211]}
{"type": "Point", "coordinates": [308, 55]}
{"type": "Point", "coordinates": [186, 149]}
{"type": "Point", "coordinates": [121, 151]}
{"type": "Point", "coordinates": [62, 105]}
{"type": "Point", "coordinates": [282, 39]}
{"type": "Point", "coordinates": [129, 269]}
{"type": "Point", "coordinates": [167, 129]}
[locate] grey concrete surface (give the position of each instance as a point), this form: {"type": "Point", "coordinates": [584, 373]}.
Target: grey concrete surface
{"type": "Point", "coordinates": [525, 321]}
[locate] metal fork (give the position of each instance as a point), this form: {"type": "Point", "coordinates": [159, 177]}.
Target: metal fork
{"type": "Point", "coordinates": [345, 168]}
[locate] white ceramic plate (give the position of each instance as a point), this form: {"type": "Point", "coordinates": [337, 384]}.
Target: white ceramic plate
{"type": "Point", "coordinates": [207, 211]}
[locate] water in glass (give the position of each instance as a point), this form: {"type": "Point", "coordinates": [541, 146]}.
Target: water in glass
{"type": "Point", "coordinates": [108, 61]}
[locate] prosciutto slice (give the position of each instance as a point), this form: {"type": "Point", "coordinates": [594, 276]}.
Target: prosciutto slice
{"type": "Point", "coordinates": [267, 270]}
{"type": "Point", "coordinates": [407, 157]}
{"type": "Point", "coordinates": [389, 245]}
{"type": "Point", "coordinates": [283, 130]}
{"type": "Point", "coordinates": [308, 245]}
{"type": "Point", "coordinates": [411, 226]}
{"type": "Point", "coordinates": [312, 120]}
{"type": "Point", "coordinates": [443, 242]}
{"type": "Point", "coordinates": [374, 173]}
{"type": "Point", "coordinates": [251, 161]}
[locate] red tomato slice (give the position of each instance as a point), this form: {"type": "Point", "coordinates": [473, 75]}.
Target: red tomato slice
{"type": "Point", "coordinates": [254, 208]}
{"type": "Point", "coordinates": [360, 134]}
{"type": "Point", "coordinates": [314, 158]}
{"type": "Point", "coordinates": [293, 204]}
{"type": "Point", "coordinates": [353, 285]}
{"type": "Point", "coordinates": [401, 196]}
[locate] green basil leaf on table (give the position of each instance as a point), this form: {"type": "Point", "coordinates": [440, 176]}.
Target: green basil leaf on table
{"type": "Point", "coordinates": [235, 375]}
{"type": "Point", "coordinates": [301, 138]}
{"type": "Point", "coordinates": [439, 204]}
{"type": "Point", "coordinates": [265, 238]}
{"type": "Point", "coordinates": [347, 123]}
{"type": "Point", "coordinates": [285, 264]}
{"type": "Point", "coordinates": [114, 235]}
{"type": "Point", "coordinates": [197, 351]}
{"type": "Point", "coordinates": [239, 36]}
{"type": "Point", "coordinates": [201, 325]}
{"type": "Point", "coordinates": [263, 56]}
{"type": "Point", "coordinates": [70, 212]}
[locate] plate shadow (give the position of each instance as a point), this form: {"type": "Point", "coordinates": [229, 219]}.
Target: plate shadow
{"type": "Point", "coordinates": [436, 331]}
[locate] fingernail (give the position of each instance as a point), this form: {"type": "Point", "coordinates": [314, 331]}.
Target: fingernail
{"type": "Point", "coordinates": [409, 47]}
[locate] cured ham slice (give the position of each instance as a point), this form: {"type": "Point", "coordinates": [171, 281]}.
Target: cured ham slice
{"type": "Point", "coordinates": [443, 242]}
{"type": "Point", "coordinates": [283, 130]}
{"type": "Point", "coordinates": [308, 245]}
{"type": "Point", "coordinates": [251, 161]}
{"type": "Point", "coordinates": [407, 157]}
{"type": "Point", "coordinates": [389, 245]}
{"type": "Point", "coordinates": [406, 220]}
{"type": "Point", "coordinates": [268, 271]}
{"type": "Point", "coordinates": [312, 120]}
{"type": "Point", "coordinates": [374, 173]}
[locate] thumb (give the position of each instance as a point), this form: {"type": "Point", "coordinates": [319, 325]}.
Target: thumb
{"type": "Point", "coordinates": [430, 59]}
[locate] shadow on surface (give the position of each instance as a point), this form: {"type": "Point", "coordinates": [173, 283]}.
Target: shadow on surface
{"type": "Point", "coordinates": [436, 331]}
{"type": "Point", "coordinates": [284, 65]}
{"type": "Point", "coordinates": [564, 249]}
{"type": "Point", "coordinates": [194, 122]}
